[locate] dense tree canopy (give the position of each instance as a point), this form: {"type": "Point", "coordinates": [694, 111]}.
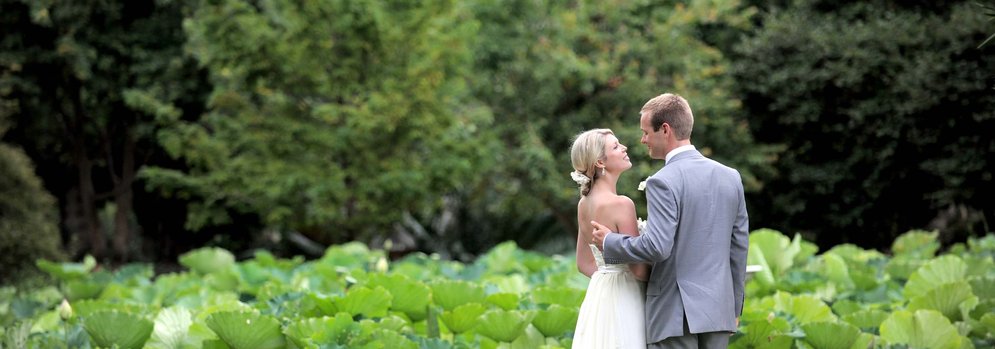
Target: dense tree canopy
{"type": "Point", "coordinates": [445, 125]}
{"type": "Point", "coordinates": [84, 76]}
{"type": "Point", "coordinates": [331, 118]}
{"type": "Point", "coordinates": [885, 112]}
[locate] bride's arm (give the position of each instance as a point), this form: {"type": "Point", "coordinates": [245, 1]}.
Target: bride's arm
{"type": "Point", "coordinates": [585, 258]}
{"type": "Point", "coordinates": [627, 225]}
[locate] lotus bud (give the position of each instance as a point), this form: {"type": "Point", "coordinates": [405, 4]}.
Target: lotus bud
{"type": "Point", "coordinates": [381, 265]}
{"type": "Point", "coordinates": [65, 310]}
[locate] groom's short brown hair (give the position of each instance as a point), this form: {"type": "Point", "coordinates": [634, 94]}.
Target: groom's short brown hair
{"type": "Point", "coordinates": [673, 110]}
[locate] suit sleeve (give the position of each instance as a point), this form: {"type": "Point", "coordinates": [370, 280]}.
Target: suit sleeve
{"type": "Point", "coordinates": [657, 241]}
{"type": "Point", "coordinates": [738, 249]}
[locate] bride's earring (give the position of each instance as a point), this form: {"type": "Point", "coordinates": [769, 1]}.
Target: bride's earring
{"type": "Point", "coordinates": [602, 171]}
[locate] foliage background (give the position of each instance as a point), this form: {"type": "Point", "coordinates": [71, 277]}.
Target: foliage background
{"type": "Point", "coordinates": [444, 126]}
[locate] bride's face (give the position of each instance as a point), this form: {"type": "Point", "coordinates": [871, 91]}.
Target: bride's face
{"type": "Point", "coordinates": [616, 155]}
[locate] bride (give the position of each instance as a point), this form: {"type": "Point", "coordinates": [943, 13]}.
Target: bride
{"type": "Point", "coordinates": [612, 313]}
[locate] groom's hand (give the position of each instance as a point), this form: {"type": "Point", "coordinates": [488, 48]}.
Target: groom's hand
{"type": "Point", "coordinates": [599, 235]}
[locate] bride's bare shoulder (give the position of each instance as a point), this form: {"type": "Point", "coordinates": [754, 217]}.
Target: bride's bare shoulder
{"type": "Point", "coordinates": [622, 201]}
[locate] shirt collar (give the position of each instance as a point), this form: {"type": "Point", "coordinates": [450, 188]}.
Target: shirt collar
{"type": "Point", "coordinates": [678, 150]}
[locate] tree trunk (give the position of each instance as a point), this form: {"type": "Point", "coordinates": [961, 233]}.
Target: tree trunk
{"type": "Point", "coordinates": [88, 204]}
{"type": "Point", "coordinates": [123, 198]}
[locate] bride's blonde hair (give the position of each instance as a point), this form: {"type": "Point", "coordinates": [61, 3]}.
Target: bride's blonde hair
{"type": "Point", "coordinates": [587, 149]}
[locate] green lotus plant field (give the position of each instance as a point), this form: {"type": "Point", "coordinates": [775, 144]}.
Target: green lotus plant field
{"type": "Point", "coordinates": [353, 297]}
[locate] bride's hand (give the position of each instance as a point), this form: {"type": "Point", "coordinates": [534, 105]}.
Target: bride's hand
{"type": "Point", "coordinates": [599, 235]}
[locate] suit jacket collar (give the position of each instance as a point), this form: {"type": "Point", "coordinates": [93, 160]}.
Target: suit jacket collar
{"type": "Point", "coordinates": [687, 154]}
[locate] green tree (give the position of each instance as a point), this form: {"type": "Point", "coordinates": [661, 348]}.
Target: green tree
{"type": "Point", "coordinates": [336, 119]}
{"type": "Point", "coordinates": [28, 213]}
{"type": "Point", "coordinates": [884, 110]}
{"type": "Point", "coordinates": [551, 69]}
{"type": "Point", "coordinates": [87, 77]}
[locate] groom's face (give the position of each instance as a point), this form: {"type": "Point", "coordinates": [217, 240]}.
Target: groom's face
{"type": "Point", "coordinates": [655, 141]}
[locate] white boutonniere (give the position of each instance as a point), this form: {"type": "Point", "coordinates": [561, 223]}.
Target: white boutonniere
{"type": "Point", "coordinates": [642, 185]}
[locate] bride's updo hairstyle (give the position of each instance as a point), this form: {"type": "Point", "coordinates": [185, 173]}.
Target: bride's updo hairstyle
{"type": "Point", "coordinates": [587, 149]}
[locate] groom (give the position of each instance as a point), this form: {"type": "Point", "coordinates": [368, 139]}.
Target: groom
{"type": "Point", "coordinates": [695, 237]}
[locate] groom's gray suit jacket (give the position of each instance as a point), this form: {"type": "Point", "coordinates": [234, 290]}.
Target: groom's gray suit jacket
{"type": "Point", "coordinates": [696, 238]}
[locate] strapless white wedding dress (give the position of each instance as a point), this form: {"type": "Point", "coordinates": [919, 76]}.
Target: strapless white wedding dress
{"type": "Point", "coordinates": [612, 313]}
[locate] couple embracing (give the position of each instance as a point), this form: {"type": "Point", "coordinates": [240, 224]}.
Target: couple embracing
{"type": "Point", "coordinates": [680, 282]}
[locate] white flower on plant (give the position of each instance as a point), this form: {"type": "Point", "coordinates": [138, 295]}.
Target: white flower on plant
{"type": "Point", "coordinates": [65, 310]}
{"type": "Point", "coordinates": [641, 225]}
{"type": "Point", "coordinates": [642, 186]}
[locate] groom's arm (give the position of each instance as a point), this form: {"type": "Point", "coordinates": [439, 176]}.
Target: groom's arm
{"type": "Point", "coordinates": [738, 249]}
{"type": "Point", "coordinates": [657, 241]}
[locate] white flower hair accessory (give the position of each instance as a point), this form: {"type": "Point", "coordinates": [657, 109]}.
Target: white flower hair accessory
{"type": "Point", "coordinates": [580, 178]}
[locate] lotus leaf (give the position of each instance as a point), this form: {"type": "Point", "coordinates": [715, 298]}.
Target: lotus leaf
{"type": "Point", "coordinates": [246, 330]}
{"type": "Point", "coordinates": [433, 343]}
{"type": "Point", "coordinates": [979, 266]}
{"type": "Point", "coordinates": [350, 255]}
{"type": "Point", "coordinates": [830, 335]}
{"type": "Point", "coordinates": [171, 328]}
{"type": "Point", "coordinates": [916, 243]}
{"type": "Point", "coordinates": [777, 251]}
{"type": "Point", "coordinates": [325, 304]}
{"type": "Point", "coordinates": [922, 329]}
{"type": "Point", "coordinates": [902, 267]}
{"type": "Point", "coordinates": [565, 296]}
{"type": "Point", "coordinates": [214, 344]}
{"type": "Point", "coordinates": [946, 299]}
{"type": "Point", "coordinates": [81, 289]}
{"type": "Point", "coordinates": [766, 334]}
{"type": "Point", "coordinates": [983, 287]}
{"type": "Point", "coordinates": [865, 277]}
{"type": "Point", "coordinates": [936, 272]}
{"type": "Point", "coordinates": [87, 307]}
{"type": "Point", "coordinates": [325, 330]}
{"type": "Point", "coordinates": [17, 335]}
{"type": "Point", "coordinates": [393, 323]}
{"type": "Point", "coordinates": [210, 301]}
{"type": "Point", "coordinates": [23, 308]}
{"type": "Point", "coordinates": [391, 339]}
{"type": "Point", "coordinates": [982, 245]}
{"type": "Point", "coordinates": [208, 260]}
{"type": "Point", "coordinates": [845, 307]}
{"type": "Point", "coordinates": [988, 320]}
{"type": "Point", "coordinates": [223, 280]}
{"type": "Point", "coordinates": [804, 308]}
{"type": "Point", "coordinates": [67, 271]}
{"type": "Point", "coordinates": [463, 318]}
{"type": "Point", "coordinates": [452, 293]}
{"type": "Point", "coordinates": [535, 263]}
{"type": "Point", "coordinates": [864, 341]}
{"type": "Point", "coordinates": [871, 318]}
{"type": "Point", "coordinates": [408, 296]}
{"type": "Point", "coordinates": [854, 254]}
{"type": "Point", "coordinates": [115, 328]}
{"type": "Point", "coordinates": [506, 301]}
{"type": "Point", "coordinates": [531, 338]}
{"type": "Point", "coordinates": [555, 320]}
{"type": "Point", "coordinates": [364, 301]}
{"type": "Point", "coordinates": [503, 259]}
{"type": "Point", "coordinates": [503, 325]}
{"type": "Point", "coordinates": [514, 283]}
{"type": "Point", "coordinates": [983, 307]}
{"type": "Point", "coordinates": [834, 268]}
